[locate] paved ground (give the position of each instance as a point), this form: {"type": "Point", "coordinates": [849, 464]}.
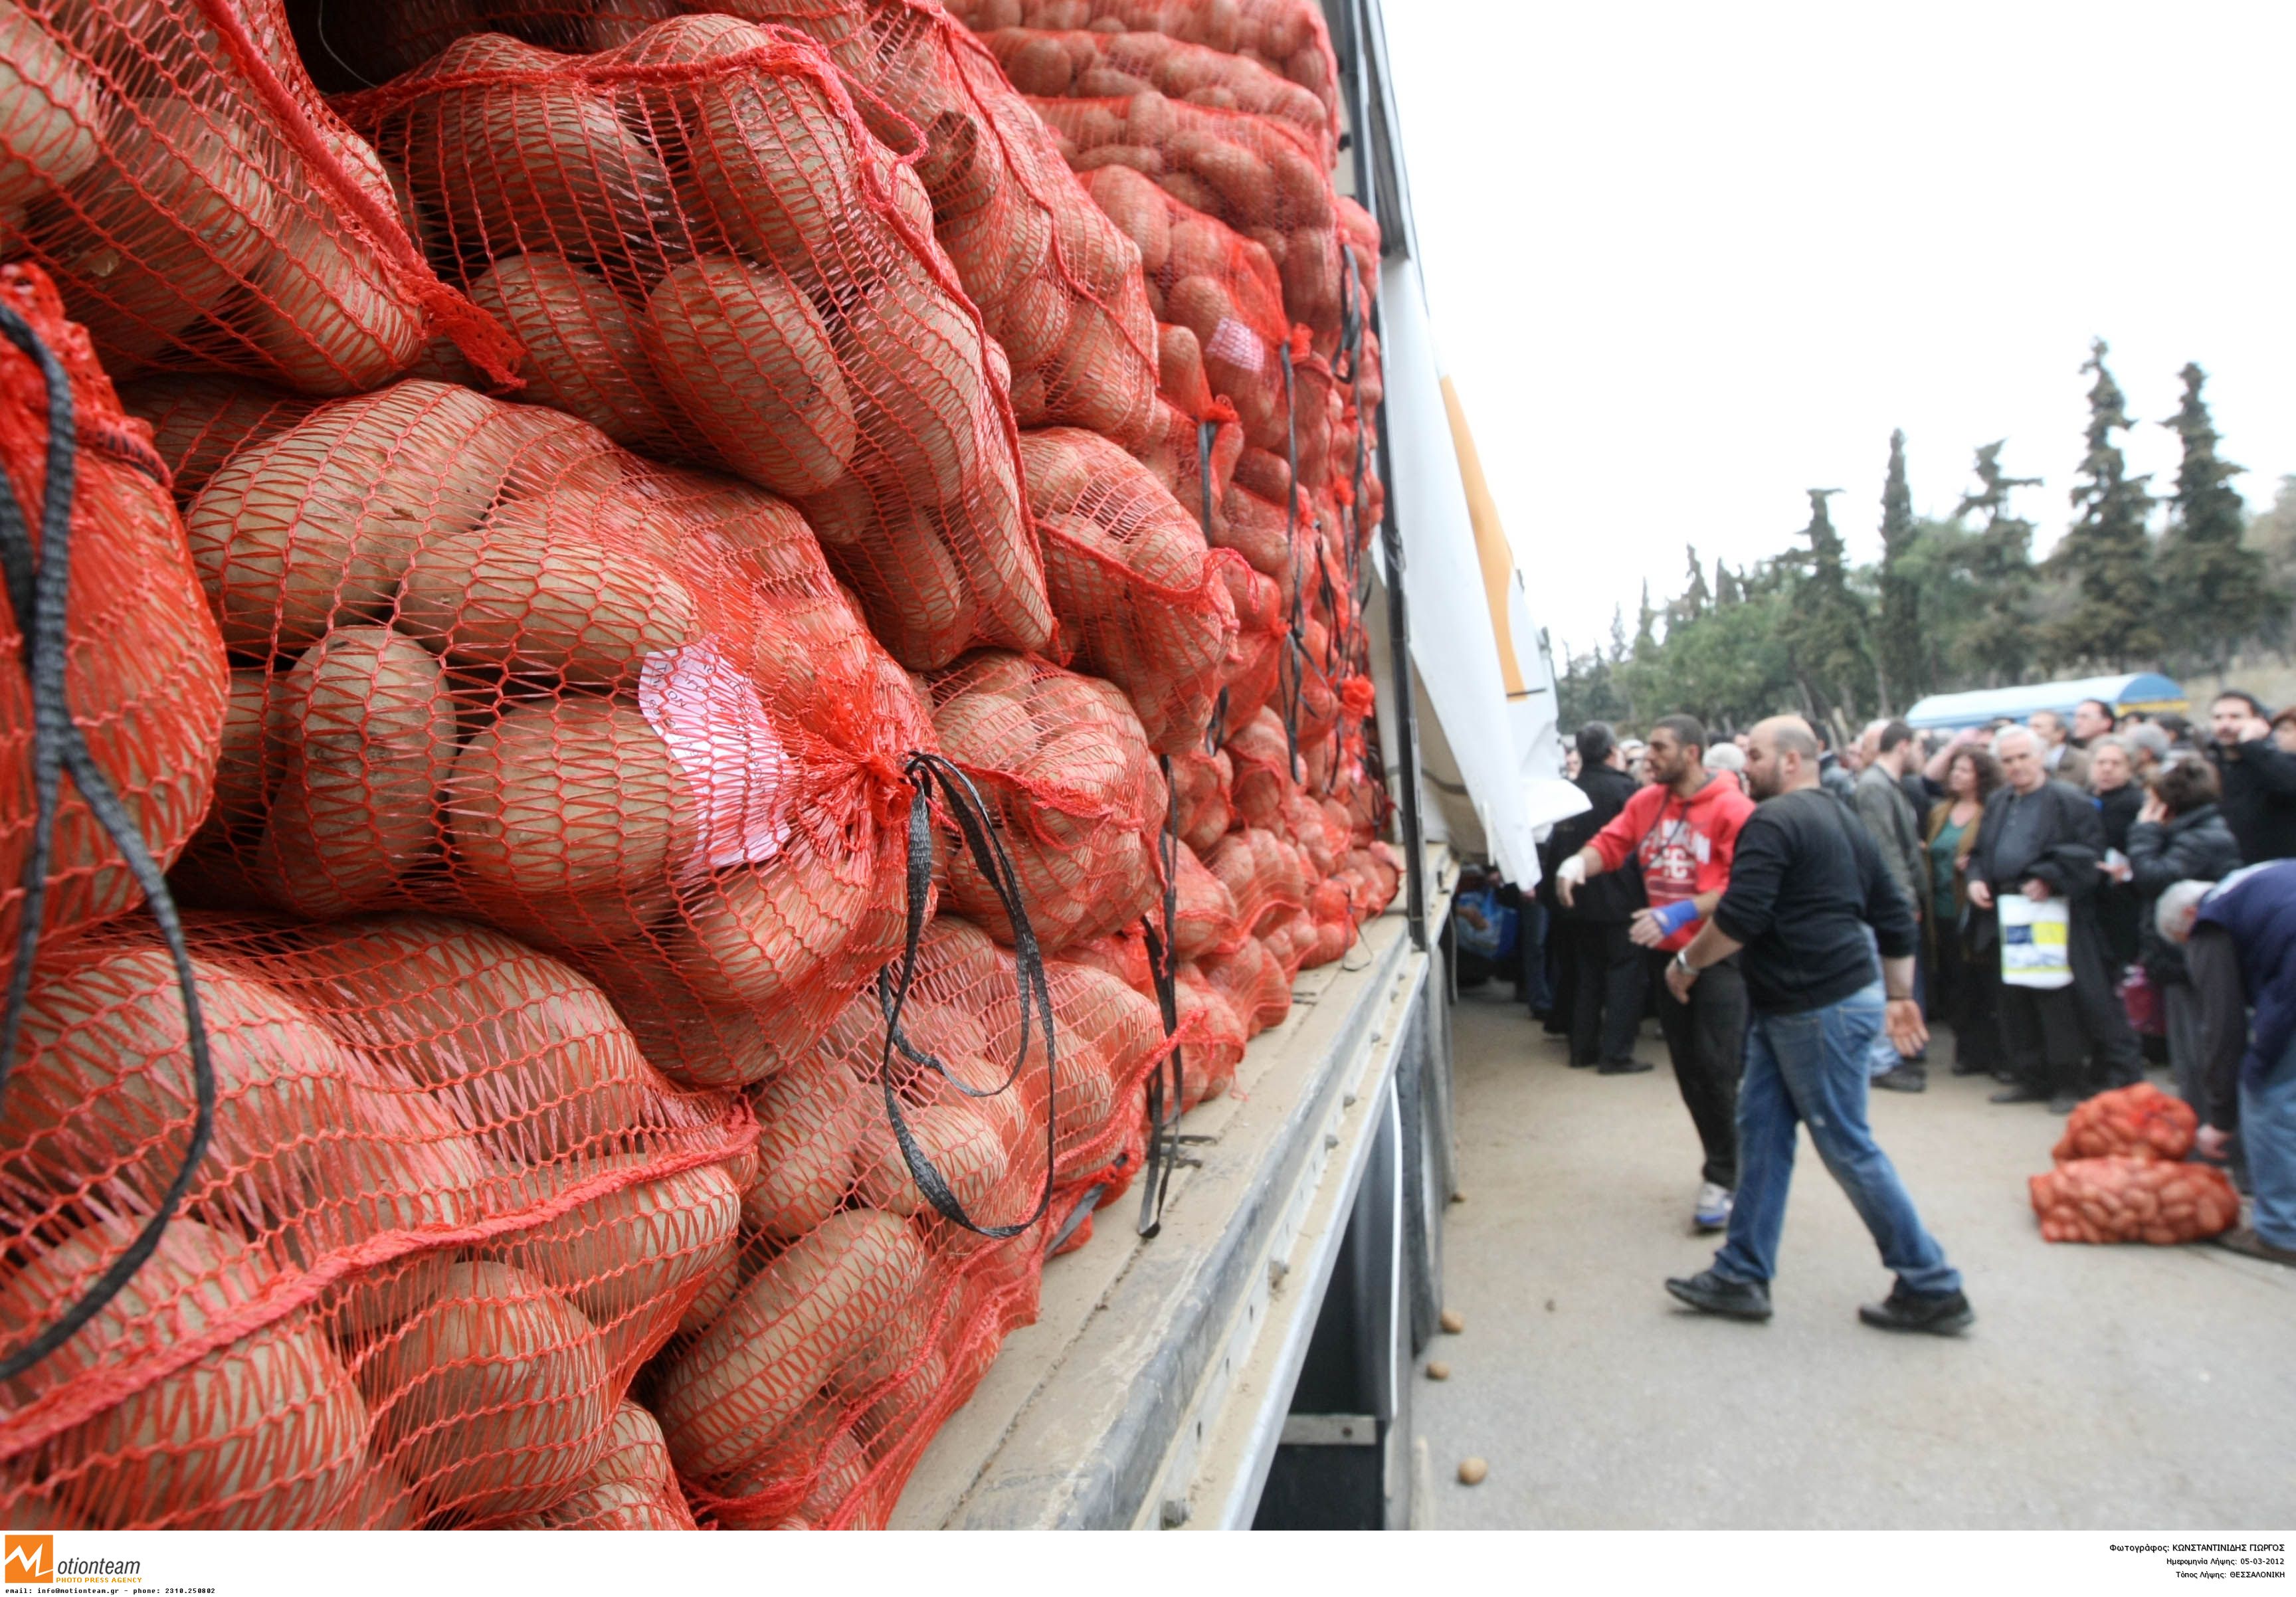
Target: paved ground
{"type": "Point", "coordinates": [2102, 1387]}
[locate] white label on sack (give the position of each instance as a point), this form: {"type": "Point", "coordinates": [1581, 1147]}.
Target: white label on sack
{"type": "Point", "coordinates": [1236, 344]}
{"type": "Point", "coordinates": [710, 714]}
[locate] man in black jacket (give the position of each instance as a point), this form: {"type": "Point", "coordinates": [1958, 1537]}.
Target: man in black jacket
{"type": "Point", "coordinates": [2043, 839]}
{"type": "Point", "coordinates": [1601, 964]}
{"type": "Point", "coordinates": [1809, 903]}
{"type": "Point", "coordinates": [2259, 780]}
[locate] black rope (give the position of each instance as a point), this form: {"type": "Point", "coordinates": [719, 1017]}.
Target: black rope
{"type": "Point", "coordinates": [925, 772]}
{"type": "Point", "coordinates": [1164, 967]}
{"type": "Point", "coordinates": [1206, 431]}
{"type": "Point", "coordinates": [1295, 653]}
{"type": "Point", "coordinates": [39, 592]}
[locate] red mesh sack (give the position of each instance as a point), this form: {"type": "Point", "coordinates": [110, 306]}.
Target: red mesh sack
{"type": "Point", "coordinates": [1067, 772]}
{"type": "Point", "coordinates": [868, 1309]}
{"type": "Point", "coordinates": [1216, 1037]}
{"type": "Point", "coordinates": [143, 669]}
{"type": "Point", "coordinates": [444, 1208]}
{"type": "Point", "coordinates": [1059, 286]}
{"type": "Point", "coordinates": [497, 666]}
{"type": "Point", "coordinates": [706, 254]}
{"type": "Point", "coordinates": [1252, 984]}
{"type": "Point", "coordinates": [1258, 175]}
{"type": "Point", "coordinates": [2118, 1199]}
{"type": "Point", "coordinates": [1187, 439]}
{"type": "Point", "coordinates": [200, 420]}
{"type": "Point", "coordinates": [1265, 775]}
{"type": "Point", "coordinates": [1200, 781]}
{"type": "Point", "coordinates": [2139, 1121]}
{"type": "Point", "coordinates": [1262, 875]}
{"type": "Point", "coordinates": [1217, 292]}
{"type": "Point", "coordinates": [358, 47]}
{"type": "Point", "coordinates": [1140, 599]}
{"type": "Point", "coordinates": [1289, 37]}
{"type": "Point", "coordinates": [172, 167]}
{"type": "Point", "coordinates": [1204, 917]}
{"type": "Point", "coordinates": [1097, 65]}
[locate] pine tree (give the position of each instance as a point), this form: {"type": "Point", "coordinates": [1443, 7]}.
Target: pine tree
{"type": "Point", "coordinates": [2107, 552]}
{"type": "Point", "coordinates": [2000, 637]}
{"type": "Point", "coordinates": [1902, 656]}
{"type": "Point", "coordinates": [2215, 594]}
{"type": "Point", "coordinates": [1824, 630]}
{"type": "Point", "coordinates": [1727, 590]}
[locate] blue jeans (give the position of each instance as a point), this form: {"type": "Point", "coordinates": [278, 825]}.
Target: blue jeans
{"type": "Point", "coordinates": [1810, 1069]}
{"type": "Point", "coordinates": [2267, 1136]}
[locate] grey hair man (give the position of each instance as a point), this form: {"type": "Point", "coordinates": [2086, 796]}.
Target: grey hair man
{"type": "Point", "coordinates": [1888, 815]}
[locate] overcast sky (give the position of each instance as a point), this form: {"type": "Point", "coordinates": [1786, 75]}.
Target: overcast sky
{"type": "Point", "coordinates": [1687, 260]}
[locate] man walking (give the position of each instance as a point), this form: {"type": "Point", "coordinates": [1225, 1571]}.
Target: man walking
{"type": "Point", "coordinates": [1602, 969]}
{"type": "Point", "coordinates": [1808, 902]}
{"type": "Point", "coordinates": [2043, 839]}
{"type": "Point", "coordinates": [1681, 829]}
{"type": "Point", "coordinates": [2258, 777]}
{"type": "Point", "coordinates": [1897, 833]}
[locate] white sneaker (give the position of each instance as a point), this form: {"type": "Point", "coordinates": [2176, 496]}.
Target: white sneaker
{"type": "Point", "coordinates": [1713, 1210]}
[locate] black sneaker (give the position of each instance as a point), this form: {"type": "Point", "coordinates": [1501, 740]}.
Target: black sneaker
{"type": "Point", "coordinates": [1940, 1313]}
{"type": "Point", "coordinates": [1624, 1067]}
{"type": "Point", "coordinates": [1713, 1293]}
{"type": "Point", "coordinates": [1963, 1067]}
{"type": "Point", "coordinates": [2020, 1094]}
{"type": "Point", "coordinates": [1907, 1077]}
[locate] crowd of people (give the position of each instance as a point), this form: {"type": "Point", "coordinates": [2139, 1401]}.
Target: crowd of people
{"type": "Point", "coordinates": [2075, 897]}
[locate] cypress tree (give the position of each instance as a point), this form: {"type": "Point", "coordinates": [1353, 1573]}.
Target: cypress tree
{"type": "Point", "coordinates": [1646, 627]}
{"type": "Point", "coordinates": [2214, 594]}
{"type": "Point", "coordinates": [1901, 656]}
{"type": "Point", "coordinates": [1695, 600]}
{"type": "Point", "coordinates": [2113, 620]}
{"type": "Point", "coordinates": [1726, 588]}
{"type": "Point", "coordinates": [2000, 566]}
{"type": "Point", "coordinates": [1825, 628]}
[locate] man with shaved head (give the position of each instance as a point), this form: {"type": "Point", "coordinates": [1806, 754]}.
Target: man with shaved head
{"type": "Point", "coordinates": [1808, 901]}
{"type": "Point", "coordinates": [2043, 839]}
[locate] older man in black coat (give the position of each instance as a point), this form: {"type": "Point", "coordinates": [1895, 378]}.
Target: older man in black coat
{"type": "Point", "coordinates": [2043, 839]}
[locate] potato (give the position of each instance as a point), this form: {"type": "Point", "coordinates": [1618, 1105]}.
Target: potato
{"type": "Point", "coordinates": [493, 1400]}
{"type": "Point", "coordinates": [1138, 207]}
{"type": "Point", "coordinates": [583, 355]}
{"type": "Point", "coordinates": [694, 1044]}
{"type": "Point", "coordinates": [632, 1486]}
{"type": "Point", "coordinates": [49, 111]}
{"type": "Point", "coordinates": [753, 933]}
{"type": "Point", "coordinates": [522, 1050]}
{"type": "Point", "coordinates": [319, 523]}
{"type": "Point", "coordinates": [245, 766]}
{"type": "Point", "coordinates": [563, 585]}
{"type": "Point", "coordinates": [200, 421]}
{"type": "Point", "coordinates": [572, 813]}
{"type": "Point", "coordinates": [325, 306]}
{"type": "Point", "coordinates": [916, 358]}
{"type": "Point", "coordinates": [633, 1260]}
{"type": "Point", "coordinates": [750, 362]}
{"type": "Point", "coordinates": [910, 584]}
{"type": "Point", "coordinates": [811, 1117]}
{"type": "Point", "coordinates": [140, 261]}
{"type": "Point", "coordinates": [364, 731]}
{"type": "Point", "coordinates": [307, 1135]}
{"type": "Point", "coordinates": [265, 1432]}
{"type": "Point", "coordinates": [725, 1399]}
{"type": "Point", "coordinates": [519, 165]}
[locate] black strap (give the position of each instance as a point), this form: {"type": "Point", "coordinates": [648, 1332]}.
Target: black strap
{"type": "Point", "coordinates": [40, 592]}
{"type": "Point", "coordinates": [1164, 967]}
{"type": "Point", "coordinates": [1206, 431]}
{"type": "Point", "coordinates": [1295, 654]}
{"type": "Point", "coordinates": [926, 771]}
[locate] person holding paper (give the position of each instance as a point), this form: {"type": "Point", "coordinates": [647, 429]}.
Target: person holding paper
{"type": "Point", "coordinates": [2041, 840]}
{"type": "Point", "coordinates": [1681, 829]}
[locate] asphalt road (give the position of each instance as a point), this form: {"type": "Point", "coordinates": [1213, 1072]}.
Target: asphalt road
{"type": "Point", "coordinates": [2128, 1388]}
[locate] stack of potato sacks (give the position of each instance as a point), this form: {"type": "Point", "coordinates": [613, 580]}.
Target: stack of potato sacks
{"type": "Point", "coordinates": [2121, 1174]}
{"type": "Point", "coordinates": [607, 453]}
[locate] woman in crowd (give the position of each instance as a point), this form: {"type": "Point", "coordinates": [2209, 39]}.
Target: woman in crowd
{"type": "Point", "coordinates": [1963, 988]}
{"type": "Point", "coordinates": [2112, 780]}
{"type": "Point", "coordinates": [2178, 836]}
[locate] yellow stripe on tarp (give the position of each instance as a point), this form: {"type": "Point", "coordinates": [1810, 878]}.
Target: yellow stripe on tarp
{"type": "Point", "coordinates": [1492, 550]}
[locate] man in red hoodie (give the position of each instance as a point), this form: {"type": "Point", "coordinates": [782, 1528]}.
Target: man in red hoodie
{"type": "Point", "coordinates": [1682, 828]}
